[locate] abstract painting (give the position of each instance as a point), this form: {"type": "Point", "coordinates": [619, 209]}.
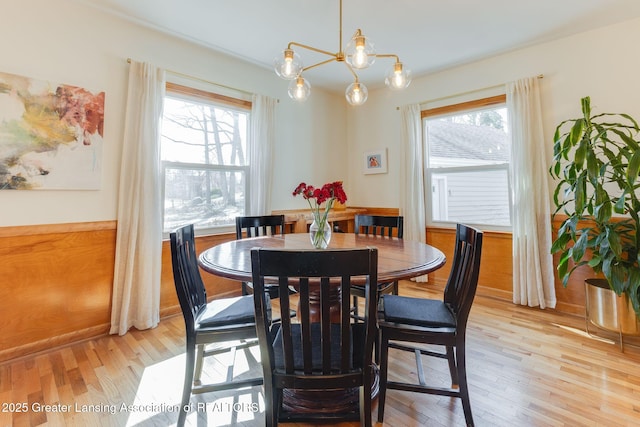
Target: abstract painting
{"type": "Point", "coordinates": [50, 135]}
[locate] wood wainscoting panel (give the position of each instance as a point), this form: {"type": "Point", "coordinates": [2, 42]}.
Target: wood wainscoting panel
{"type": "Point", "coordinates": [57, 281]}
{"type": "Point", "coordinates": [496, 269]}
{"type": "Point", "coordinates": [56, 284]}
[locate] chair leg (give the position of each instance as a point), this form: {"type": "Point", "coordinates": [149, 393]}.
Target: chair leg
{"type": "Point", "coordinates": [199, 361]}
{"type": "Point", "coordinates": [396, 288]}
{"type": "Point", "coordinates": [188, 381]}
{"type": "Point", "coordinates": [245, 288]}
{"type": "Point", "coordinates": [271, 405]}
{"type": "Point", "coordinates": [453, 370]}
{"type": "Point", "coordinates": [464, 388]}
{"type": "Point", "coordinates": [365, 404]}
{"type": "Point", "coordinates": [384, 362]}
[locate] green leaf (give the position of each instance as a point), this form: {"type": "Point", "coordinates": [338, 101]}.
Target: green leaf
{"type": "Point", "coordinates": [613, 238]}
{"type": "Point", "coordinates": [593, 170]}
{"type": "Point", "coordinates": [631, 119]}
{"type": "Point", "coordinates": [603, 210]}
{"type": "Point", "coordinates": [575, 134]}
{"type": "Point", "coordinates": [620, 203]}
{"type": "Point", "coordinates": [594, 261]}
{"type": "Point", "coordinates": [560, 243]}
{"type": "Point", "coordinates": [581, 152]}
{"type": "Point", "coordinates": [618, 278]}
{"type": "Point", "coordinates": [586, 107]}
{"type": "Point", "coordinates": [579, 247]}
{"type": "Point", "coordinates": [580, 194]}
{"type": "Point", "coordinates": [563, 264]}
{"type": "Point", "coordinates": [634, 167]}
{"type": "Point", "coordinates": [626, 137]}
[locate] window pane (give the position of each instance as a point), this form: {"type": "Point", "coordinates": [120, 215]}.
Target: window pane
{"type": "Point", "coordinates": [204, 153]}
{"type": "Point", "coordinates": [474, 138]}
{"type": "Point", "coordinates": [194, 132]}
{"type": "Point", "coordinates": [206, 198]}
{"type": "Point", "coordinates": [475, 197]}
{"type": "Point", "coordinates": [468, 161]}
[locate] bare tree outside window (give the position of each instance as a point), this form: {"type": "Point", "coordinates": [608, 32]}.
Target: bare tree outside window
{"type": "Point", "coordinates": [203, 149]}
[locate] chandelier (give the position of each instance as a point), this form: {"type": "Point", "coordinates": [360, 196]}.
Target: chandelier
{"type": "Point", "coordinates": [358, 54]}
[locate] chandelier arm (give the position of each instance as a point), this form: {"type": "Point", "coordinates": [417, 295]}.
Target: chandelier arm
{"type": "Point", "coordinates": [318, 64]}
{"type": "Point", "coordinates": [355, 76]}
{"type": "Point", "coordinates": [304, 46]}
{"type": "Point", "coordinates": [388, 55]}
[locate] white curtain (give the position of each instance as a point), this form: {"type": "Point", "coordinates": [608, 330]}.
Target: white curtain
{"type": "Point", "coordinates": [412, 202]}
{"type": "Point", "coordinates": [533, 277]}
{"type": "Point", "coordinates": [136, 284]}
{"type": "Point", "coordinates": [261, 142]}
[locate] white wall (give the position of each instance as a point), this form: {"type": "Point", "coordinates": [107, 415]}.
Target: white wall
{"type": "Point", "coordinates": [319, 141]}
{"type": "Point", "coordinates": [602, 64]}
{"type": "Point", "coordinates": [67, 42]}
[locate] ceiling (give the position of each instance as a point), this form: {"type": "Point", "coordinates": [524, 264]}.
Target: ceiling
{"type": "Point", "coordinates": [427, 35]}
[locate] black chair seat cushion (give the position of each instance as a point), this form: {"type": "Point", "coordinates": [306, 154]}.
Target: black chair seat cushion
{"type": "Point", "coordinates": [227, 311]}
{"type": "Point", "coordinates": [417, 311]}
{"type": "Point", "coordinates": [357, 345]}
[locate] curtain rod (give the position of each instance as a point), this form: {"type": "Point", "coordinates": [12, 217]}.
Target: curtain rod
{"type": "Point", "coordinates": [540, 76]}
{"type": "Point", "coordinates": [206, 81]}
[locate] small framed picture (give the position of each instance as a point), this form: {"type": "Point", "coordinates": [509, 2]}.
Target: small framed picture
{"type": "Point", "coordinates": [375, 161]}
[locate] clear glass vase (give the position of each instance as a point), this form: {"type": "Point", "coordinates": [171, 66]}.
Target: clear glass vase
{"type": "Point", "coordinates": [320, 234]}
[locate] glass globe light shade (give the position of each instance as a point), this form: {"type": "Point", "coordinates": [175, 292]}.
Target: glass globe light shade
{"type": "Point", "coordinates": [360, 52]}
{"type": "Point", "coordinates": [288, 65]}
{"type": "Point", "coordinates": [398, 78]}
{"type": "Point", "coordinates": [299, 89]}
{"type": "Point", "coordinates": [356, 94]}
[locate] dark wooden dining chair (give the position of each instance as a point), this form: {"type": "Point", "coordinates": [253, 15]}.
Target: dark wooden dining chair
{"type": "Point", "coordinates": [322, 350]}
{"type": "Point", "coordinates": [218, 321]}
{"type": "Point", "coordinates": [386, 226]}
{"type": "Point", "coordinates": [432, 321]}
{"type": "Point", "coordinates": [254, 226]}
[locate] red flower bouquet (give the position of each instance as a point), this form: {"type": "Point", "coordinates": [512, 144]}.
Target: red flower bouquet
{"type": "Point", "coordinates": [320, 231]}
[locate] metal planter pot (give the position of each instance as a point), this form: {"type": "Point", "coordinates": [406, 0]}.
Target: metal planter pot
{"type": "Point", "coordinates": [606, 310]}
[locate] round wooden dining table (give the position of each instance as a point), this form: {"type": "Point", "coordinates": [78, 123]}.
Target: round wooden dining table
{"type": "Point", "coordinates": [397, 259]}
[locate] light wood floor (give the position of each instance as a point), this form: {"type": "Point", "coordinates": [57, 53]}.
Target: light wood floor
{"type": "Point", "coordinates": [526, 367]}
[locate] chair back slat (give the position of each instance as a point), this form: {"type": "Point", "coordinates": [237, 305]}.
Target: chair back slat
{"type": "Point", "coordinates": [463, 278]}
{"type": "Point", "coordinates": [264, 225]}
{"type": "Point", "coordinates": [378, 225]}
{"type": "Point", "coordinates": [323, 330]}
{"type": "Point", "coordinates": [191, 292]}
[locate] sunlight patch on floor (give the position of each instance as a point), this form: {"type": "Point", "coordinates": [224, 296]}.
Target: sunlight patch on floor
{"type": "Point", "coordinates": [160, 391]}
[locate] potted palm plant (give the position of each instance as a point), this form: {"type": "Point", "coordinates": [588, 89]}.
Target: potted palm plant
{"type": "Point", "coordinates": [596, 164]}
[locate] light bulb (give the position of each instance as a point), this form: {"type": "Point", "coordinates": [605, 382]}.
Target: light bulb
{"type": "Point", "coordinates": [360, 52]}
{"type": "Point", "coordinates": [360, 57]}
{"type": "Point", "coordinates": [299, 89]}
{"type": "Point", "coordinates": [288, 65]}
{"type": "Point", "coordinates": [398, 78]}
{"type": "Point", "coordinates": [356, 93]}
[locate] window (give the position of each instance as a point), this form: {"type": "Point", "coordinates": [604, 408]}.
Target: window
{"type": "Point", "coordinates": [204, 158]}
{"type": "Point", "coordinates": [468, 151]}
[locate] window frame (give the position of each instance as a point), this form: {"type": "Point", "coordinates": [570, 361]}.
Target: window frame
{"type": "Point", "coordinates": [180, 91]}
{"type": "Point", "coordinates": [485, 103]}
